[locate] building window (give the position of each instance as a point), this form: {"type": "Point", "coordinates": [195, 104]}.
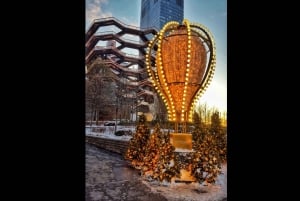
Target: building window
{"type": "Point", "coordinates": [179, 3]}
{"type": "Point", "coordinates": [145, 10]}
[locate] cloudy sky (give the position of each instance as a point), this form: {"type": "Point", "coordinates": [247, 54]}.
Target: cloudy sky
{"type": "Point", "coordinates": [210, 13]}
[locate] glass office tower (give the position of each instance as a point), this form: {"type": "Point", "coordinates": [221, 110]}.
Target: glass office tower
{"type": "Point", "coordinates": [156, 13]}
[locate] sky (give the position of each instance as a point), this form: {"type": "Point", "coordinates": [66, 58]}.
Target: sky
{"type": "Point", "coordinates": [210, 13]}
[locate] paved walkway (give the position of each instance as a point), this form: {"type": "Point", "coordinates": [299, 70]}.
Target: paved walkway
{"type": "Point", "coordinates": [109, 178]}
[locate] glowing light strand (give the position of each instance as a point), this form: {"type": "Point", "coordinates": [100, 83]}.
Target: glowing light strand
{"type": "Point", "coordinates": [211, 64]}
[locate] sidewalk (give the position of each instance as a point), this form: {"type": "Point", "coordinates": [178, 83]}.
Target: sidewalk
{"type": "Point", "coordinates": [109, 179]}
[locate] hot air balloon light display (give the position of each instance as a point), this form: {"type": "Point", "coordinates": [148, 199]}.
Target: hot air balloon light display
{"type": "Point", "coordinates": [183, 68]}
{"type": "Point", "coordinates": [180, 61]}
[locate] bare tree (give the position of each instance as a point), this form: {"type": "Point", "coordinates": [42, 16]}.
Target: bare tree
{"type": "Point", "coordinates": [93, 96]}
{"type": "Point", "coordinates": [99, 90]}
{"type": "Point", "coordinates": [205, 113]}
{"type": "Point", "coordinates": [224, 118]}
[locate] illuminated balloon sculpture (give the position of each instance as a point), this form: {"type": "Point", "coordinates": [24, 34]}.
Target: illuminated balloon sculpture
{"type": "Point", "coordinates": [180, 61]}
{"type": "Point", "coordinates": [184, 66]}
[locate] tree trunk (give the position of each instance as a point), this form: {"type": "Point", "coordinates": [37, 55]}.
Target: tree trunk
{"type": "Point", "coordinates": [91, 116]}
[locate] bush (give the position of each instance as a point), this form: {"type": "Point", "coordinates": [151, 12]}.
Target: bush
{"type": "Point", "coordinates": [123, 132]}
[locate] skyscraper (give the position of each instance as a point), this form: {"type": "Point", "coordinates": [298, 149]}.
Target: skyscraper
{"type": "Point", "coordinates": [155, 13]}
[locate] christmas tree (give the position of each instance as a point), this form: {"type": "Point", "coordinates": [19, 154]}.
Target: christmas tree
{"type": "Point", "coordinates": [210, 150]}
{"type": "Point", "coordinates": [138, 144]}
{"type": "Point", "coordinates": [166, 167]}
{"type": "Point", "coordinates": [154, 155]}
{"type": "Point", "coordinates": [151, 153]}
{"type": "Point", "coordinates": [206, 163]}
{"type": "Point", "coordinates": [219, 134]}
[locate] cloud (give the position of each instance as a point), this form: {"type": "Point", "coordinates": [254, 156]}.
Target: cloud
{"type": "Point", "coordinates": [129, 22]}
{"type": "Point", "coordinates": [94, 11]}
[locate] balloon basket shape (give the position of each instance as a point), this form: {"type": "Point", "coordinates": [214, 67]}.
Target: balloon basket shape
{"type": "Point", "coordinates": [182, 142]}
{"type": "Point", "coordinates": [183, 145]}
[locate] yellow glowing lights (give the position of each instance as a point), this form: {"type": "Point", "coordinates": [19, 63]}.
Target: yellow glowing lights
{"type": "Point", "coordinates": [159, 77]}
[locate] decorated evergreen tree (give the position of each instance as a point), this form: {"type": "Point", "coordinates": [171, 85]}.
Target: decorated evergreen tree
{"type": "Point", "coordinates": [199, 132]}
{"type": "Point", "coordinates": [206, 162]}
{"type": "Point", "coordinates": [222, 144]}
{"type": "Point", "coordinates": [209, 146]}
{"type": "Point", "coordinates": [166, 167]}
{"type": "Point", "coordinates": [137, 144]}
{"type": "Point", "coordinates": [154, 155]}
{"type": "Point", "coordinates": [151, 152]}
{"type": "Point", "coordinates": [219, 134]}
{"type": "Point", "coordinates": [159, 157]}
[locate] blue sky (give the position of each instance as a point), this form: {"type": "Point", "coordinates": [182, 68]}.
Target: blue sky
{"type": "Point", "coordinates": [210, 13]}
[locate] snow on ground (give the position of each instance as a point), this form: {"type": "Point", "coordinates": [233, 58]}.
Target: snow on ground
{"type": "Point", "coordinates": [108, 132]}
{"type": "Point", "coordinates": [193, 191]}
{"type": "Point", "coordinates": [174, 191]}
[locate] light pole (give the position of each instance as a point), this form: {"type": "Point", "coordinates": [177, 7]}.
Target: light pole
{"type": "Point", "coordinates": [118, 93]}
{"type": "Point", "coordinates": [116, 117]}
{"type": "Point", "coordinates": [117, 98]}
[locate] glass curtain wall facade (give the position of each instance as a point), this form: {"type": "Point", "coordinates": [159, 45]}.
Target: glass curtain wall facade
{"type": "Point", "coordinates": [156, 13]}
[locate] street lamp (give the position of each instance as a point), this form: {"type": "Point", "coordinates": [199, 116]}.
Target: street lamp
{"type": "Point", "coordinates": [117, 101]}
{"type": "Point", "coordinates": [116, 115]}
